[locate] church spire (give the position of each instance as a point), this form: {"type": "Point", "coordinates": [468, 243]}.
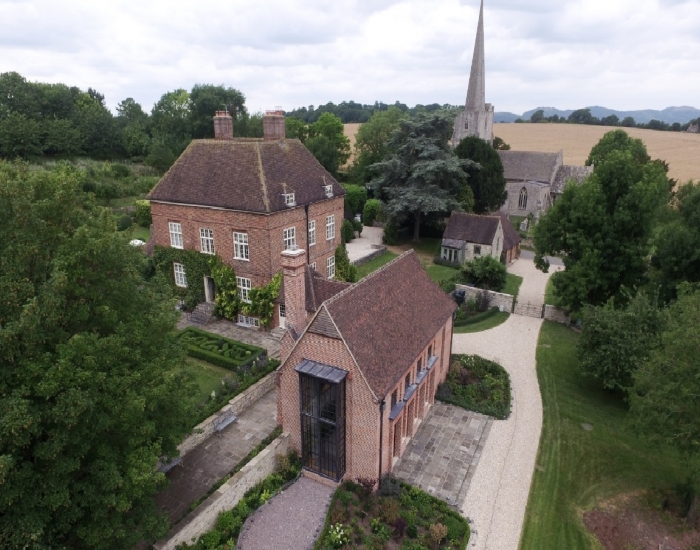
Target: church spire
{"type": "Point", "coordinates": [476, 94]}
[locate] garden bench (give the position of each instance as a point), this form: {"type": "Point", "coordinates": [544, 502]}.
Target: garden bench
{"type": "Point", "coordinates": [165, 468]}
{"type": "Point", "coordinates": [223, 419]}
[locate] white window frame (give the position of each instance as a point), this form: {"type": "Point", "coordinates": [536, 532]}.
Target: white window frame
{"type": "Point", "coordinates": [206, 240]}
{"type": "Point", "coordinates": [241, 248]}
{"type": "Point", "coordinates": [450, 254]}
{"type": "Point", "coordinates": [313, 266]}
{"type": "Point", "coordinates": [175, 234]}
{"type": "Point", "coordinates": [330, 227]}
{"type": "Point", "coordinates": [247, 321]}
{"type": "Point", "coordinates": [180, 275]}
{"type": "Point", "coordinates": [289, 238]}
{"type": "Point", "coordinates": [289, 199]}
{"type": "Point", "coordinates": [329, 191]}
{"type": "Point", "coordinates": [245, 285]}
{"type": "Point", "coordinates": [312, 232]}
{"type": "Point", "coordinates": [330, 267]}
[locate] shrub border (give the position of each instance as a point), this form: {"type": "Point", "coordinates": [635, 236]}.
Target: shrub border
{"type": "Point", "coordinates": [216, 358]}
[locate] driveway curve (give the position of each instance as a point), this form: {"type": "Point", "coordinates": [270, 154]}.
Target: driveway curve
{"type": "Point", "coordinates": [497, 496]}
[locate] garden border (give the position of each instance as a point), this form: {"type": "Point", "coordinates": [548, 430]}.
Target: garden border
{"type": "Point", "coordinates": [496, 299]}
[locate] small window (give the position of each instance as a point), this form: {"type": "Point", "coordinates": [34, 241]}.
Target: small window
{"type": "Point", "coordinates": [430, 350]}
{"type": "Point", "coordinates": [283, 311]}
{"type": "Point", "coordinates": [312, 232]}
{"type": "Point", "coordinates": [313, 266]}
{"type": "Point", "coordinates": [180, 277]}
{"type": "Point", "coordinates": [330, 267]}
{"type": "Point", "coordinates": [329, 191]}
{"type": "Point", "coordinates": [289, 199]}
{"type": "Point", "coordinates": [244, 286]}
{"type": "Point", "coordinates": [522, 200]}
{"type": "Point", "coordinates": [450, 254]}
{"type": "Point", "coordinates": [420, 364]}
{"type": "Point", "coordinates": [477, 250]}
{"type": "Point", "coordinates": [175, 234]}
{"type": "Point", "coordinates": [206, 238]}
{"type": "Point", "coordinates": [240, 246]}
{"type": "Point", "coordinates": [407, 381]}
{"type": "Point", "coordinates": [394, 398]}
{"type": "Point", "coordinates": [248, 321]}
{"type": "Point", "coordinates": [330, 227]}
{"type": "Point", "coordinates": [290, 238]}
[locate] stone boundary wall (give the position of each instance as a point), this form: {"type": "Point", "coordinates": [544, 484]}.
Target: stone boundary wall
{"type": "Point", "coordinates": [203, 518]}
{"type": "Point", "coordinates": [557, 314]}
{"type": "Point", "coordinates": [380, 249]}
{"type": "Point", "coordinates": [496, 299]}
{"type": "Point", "coordinates": [237, 405]}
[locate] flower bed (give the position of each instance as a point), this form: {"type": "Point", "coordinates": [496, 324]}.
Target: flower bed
{"type": "Point", "coordinates": [477, 384]}
{"type": "Point", "coordinates": [220, 351]}
{"type": "Point", "coordinates": [397, 516]}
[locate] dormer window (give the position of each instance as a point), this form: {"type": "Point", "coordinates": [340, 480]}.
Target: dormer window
{"type": "Point", "coordinates": [329, 191]}
{"type": "Point", "coordinates": [289, 199]}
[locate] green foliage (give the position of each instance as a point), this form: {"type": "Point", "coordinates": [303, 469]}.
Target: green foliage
{"type": "Point", "coordinates": [347, 231]}
{"type": "Point", "coordinates": [357, 226]}
{"type": "Point", "coordinates": [328, 142]}
{"type": "Point", "coordinates": [617, 140]}
{"type": "Point", "coordinates": [124, 223]}
{"type": "Point", "coordinates": [143, 213]}
{"type": "Point", "coordinates": [372, 211]}
{"type": "Point", "coordinates": [484, 272]}
{"type": "Point", "coordinates": [220, 351]}
{"type": "Point", "coordinates": [421, 174]}
{"type": "Point", "coordinates": [390, 237]}
{"type": "Point", "coordinates": [228, 301]}
{"type": "Point", "coordinates": [325, 152]}
{"type": "Point", "coordinates": [485, 181]}
{"type": "Point", "coordinates": [197, 266]}
{"type": "Point", "coordinates": [205, 100]}
{"type": "Point", "coordinates": [344, 270]}
{"type": "Point", "coordinates": [355, 197]}
{"type": "Point", "coordinates": [602, 229]}
{"type": "Point", "coordinates": [263, 299]}
{"type": "Point", "coordinates": [88, 369]}
{"type": "Point", "coordinates": [615, 342]}
{"type": "Point", "coordinates": [296, 129]}
{"type": "Point", "coordinates": [500, 145]}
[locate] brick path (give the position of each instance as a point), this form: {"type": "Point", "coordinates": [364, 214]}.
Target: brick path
{"type": "Point", "coordinates": [442, 456]}
{"type": "Point", "coordinates": [215, 457]}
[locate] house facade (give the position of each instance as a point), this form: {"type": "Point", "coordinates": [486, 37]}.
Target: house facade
{"type": "Point", "coordinates": [247, 200]}
{"type": "Point", "coordinates": [359, 377]}
{"type": "Point", "coordinates": [468, 236]}
{"type": "Point", "coordinates": [511, 241]}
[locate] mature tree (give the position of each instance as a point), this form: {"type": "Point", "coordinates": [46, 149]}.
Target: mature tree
{"type": "Point", "coordinates": [91, 390]}
{"type": "Point", "coordinates": [677, 244]}
{"type": "Point", "coordinates": [664, 405]}
{"type": "Point", "coordinates": [371, 141]}
{"type": "Point", "coordinates": [617, 140]}
{"type": "Point", "coordinates": [610, 120]}
{"type": "Point", "coordinates": [538, 116]}
{"type": "Point", "coordinates": [486, 181]}
{"type": "Point", "coordinates": [421, 174]}
{"type": "Point", "coordinates": [248, 125]}
{"type": "Point", "coordinates": [500, 145]}
{"type": "Point", "coordinates": [133, 123]}
{"type": "Point", "coordinates": [628, 122]}
{"type": "Point", "coordinates": [171, 122]}
{"type": "Point", "coordinates": [20, 136]}
{"type": "Point", "coordinates": [18, 96]}
{"type": "Point", "coordinates": [602, 228]}
{"type": "Point", "coordinates": [325, 152]}
{"type": "Point", "coordinates": [296, 129]}
{"type": "Point", "coordinates": [61, 137]}
{"type": "Point", "coordinates": [583, 116]}
{"type": "Point", "coordinates": [205, 100]}
{"type": "Point", "coordinates": [328, 143]}
{"type": "Point", "coordinates": [96, 124]}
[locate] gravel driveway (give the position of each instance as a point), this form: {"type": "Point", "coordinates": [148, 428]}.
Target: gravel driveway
{"type": "Point", "coordinates": [497, 495]}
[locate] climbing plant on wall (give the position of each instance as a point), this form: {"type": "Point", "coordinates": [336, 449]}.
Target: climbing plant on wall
{"type": "Point", "coordinates": [262, 300]}
{"type": "Point", "coordinates": [196, 267]}
{"type": "Point", "coordinates": [228, 302]}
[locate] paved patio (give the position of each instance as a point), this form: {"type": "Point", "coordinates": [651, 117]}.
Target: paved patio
{"type": "Point", "coordinates": [443, 455]}
{"type": "Point", "coordinates": [217, 456]}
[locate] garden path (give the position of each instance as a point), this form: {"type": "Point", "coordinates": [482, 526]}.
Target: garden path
{"type": "Point", "coordinates": [216, 456]}
{"type": "Point", "coordinates": [364, 245]}
{"type": "Point", "coordinates": [498, 492]}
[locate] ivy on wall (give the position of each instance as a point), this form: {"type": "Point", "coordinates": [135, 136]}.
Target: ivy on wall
{"type": "Point", "coordinates": [262, 300]}
{"type": "Point", "coordinates": [196, 268]}
{"type": "Point", "coordinates": [228, 302]}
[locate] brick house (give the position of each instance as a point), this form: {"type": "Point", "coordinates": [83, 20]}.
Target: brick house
{"type": "Point", "coordinates": [247, 200]}
{"type": "Point", "coordinates": [468, 236]}
{"type": "Point", "coordinates": [359, 377]}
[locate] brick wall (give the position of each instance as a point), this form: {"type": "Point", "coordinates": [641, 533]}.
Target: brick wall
{"type": "Point", "coordinates": [496, 299]}
{"type": "Point", "coordinates": [203, 518]}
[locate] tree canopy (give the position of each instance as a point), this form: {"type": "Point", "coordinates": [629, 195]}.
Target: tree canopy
{"type": "Point", "coordinates": [91, 384]}
{"type": "Point", "coordinates": [486, 181]}
{"type": "Point", "coordinates": [617, 140]}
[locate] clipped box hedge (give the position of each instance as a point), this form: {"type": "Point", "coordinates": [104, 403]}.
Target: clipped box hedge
{"type": "Point", "coordinates": [220, 351]}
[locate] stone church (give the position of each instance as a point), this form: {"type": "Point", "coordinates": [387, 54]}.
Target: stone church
{"type": "Point", "coordinates": [534, 179]}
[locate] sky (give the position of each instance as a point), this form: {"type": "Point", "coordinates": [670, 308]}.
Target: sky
{"type": "Point", "coordinates": [621, 54]}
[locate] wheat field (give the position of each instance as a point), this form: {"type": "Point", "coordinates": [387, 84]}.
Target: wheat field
{"type": "Point", "coordinates": [680, 149]}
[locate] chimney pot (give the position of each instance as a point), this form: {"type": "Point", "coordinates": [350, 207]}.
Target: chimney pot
{"type": "Point", "coordinates": [223, 125]}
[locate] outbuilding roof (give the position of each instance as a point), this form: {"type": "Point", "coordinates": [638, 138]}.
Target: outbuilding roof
{"type": "Point", "coordinates": [511, 237]}
{"type": "Point", "coordinates": [471, 228]}
{"type": "Point", "coordinates": [251, 175]}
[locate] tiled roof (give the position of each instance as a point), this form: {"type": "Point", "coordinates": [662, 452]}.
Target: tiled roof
{"type": "Point", "coordinates": [530, 165]}
{"type": "Point", "coordinates": [471, 228]}
{"type": "Point", "coordinates": [318, 289]}
{"type": "Point", "coordinates": [245, 174]}
{"type": "Point", "coordinates": [510, 236]}
{"type": "Point", "coordinates": [566, 173]}
{"type": "Point", "coordinates": [388, 318]}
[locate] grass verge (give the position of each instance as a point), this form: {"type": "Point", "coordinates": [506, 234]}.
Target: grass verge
{"type": "Point", "coordinates": [483, 321]}
{"type": "Point", "coordinates": [513, 283]}
{"type": "Point", "coordinates": [207, 376]}
{"type": "Point", "coordinates": [440, 273]}
{"type": "Point", "coordinates": [578, 467]}
{"type": "Point", "coordinates": [143, 233]}
{"type": "Point", "coordinates": [373, 265]}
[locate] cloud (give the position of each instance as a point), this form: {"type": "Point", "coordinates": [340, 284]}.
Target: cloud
{"type": "Point", "coordinates": [625, 54]}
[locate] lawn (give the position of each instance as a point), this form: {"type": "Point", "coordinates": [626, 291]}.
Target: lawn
{"type": "Point", "coordinates": [142, 233]}
{"type": "Point", "coordinates": [513, 283]}
{"type": "Point", "coordinates": [207, 376]}
{"type": "Point", "coordinates": [483, 321]}
{"type": "Point", "coordinates": [550, 296]}
{"type": "Point", "coordinates": [441, 272]}
{"type": "Point", "coordinates": [373, 265]}
{"type": "Point", "coordinates": [577, 468]}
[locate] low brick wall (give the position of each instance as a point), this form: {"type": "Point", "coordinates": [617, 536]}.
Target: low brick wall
{"type": "Point", "coordinates": [557, 314]}
{"type": "Point", "coordinates": [238, 404]}
{"type": "Point", "coordinates": [380, 250]}
{"type": "Point", "coordinates": [203, 518]}
{"type": "Point", "coordinates": [496, 299]}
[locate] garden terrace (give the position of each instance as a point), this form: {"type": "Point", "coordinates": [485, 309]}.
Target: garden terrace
{"type": "Point", "coordinates": [221, 351]}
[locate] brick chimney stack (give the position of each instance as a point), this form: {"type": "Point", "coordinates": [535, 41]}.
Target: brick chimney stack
{"type": "Point", "coordinates": [223, 125]}
{"type": "Point", "coordinates": [273, 125]}
{"type": "Point", "coordinates": [294, 267]}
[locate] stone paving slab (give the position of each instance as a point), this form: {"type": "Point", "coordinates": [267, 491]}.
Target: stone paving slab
{"type": "Point", "coordinates": [216, 456]}
{"type": "Point", "coordinates": [443, 455]}
{"type": "Point", "coordinates": [292, 520]}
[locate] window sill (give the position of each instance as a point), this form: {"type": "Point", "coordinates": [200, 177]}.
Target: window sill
{"type": "Point", "coordinates": [242, 259]}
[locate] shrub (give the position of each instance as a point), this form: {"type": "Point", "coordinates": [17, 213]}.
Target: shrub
{"type": "Point", "coordinates": [411, 530]}
{"type": "Point", "coordinates": [120, 170]}
{"type": "Point", "coordinates": [347, 231]}
{"type": "Point", "coordinates": [339, 535]}
{"type": "Point", "coordinates": [372, 212]}
{"type": "Point", "coordinates": [391, 234]}
{"type": "Point", "coordinates": [211, 348]}
{"type": "Point", "coordinates": [390, 486]}
{"type": "Point", "coordinates": [448, 285]}
{"type": "Point", "coordinates": [143, 213]}
{"type": "Point", "coordinates": [124, 223]}
{"type": "Point", "coordinates": [344, 270]}
{"type": "Point", "coordinates": [437, 532]}
{"type": "Point", "coordinates": [355, 197]}
{"type": "Point", "coordinates": [358, 226]}
{"type": "Point", "coordinates": [485, 272]}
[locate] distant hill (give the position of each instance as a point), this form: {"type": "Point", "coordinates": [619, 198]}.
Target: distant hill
{"type": "Point", "coordinates": [668, 115]}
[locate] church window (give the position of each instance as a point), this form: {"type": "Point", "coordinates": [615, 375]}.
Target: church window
{"type": "Point", "coordinates": [522, 201]}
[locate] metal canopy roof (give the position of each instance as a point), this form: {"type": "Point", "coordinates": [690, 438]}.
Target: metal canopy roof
{"type": "Point", "coordinates": [319, 370]}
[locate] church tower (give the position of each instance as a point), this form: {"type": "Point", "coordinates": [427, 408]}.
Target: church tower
{"type": "Point", "coordinates": [477, 117]}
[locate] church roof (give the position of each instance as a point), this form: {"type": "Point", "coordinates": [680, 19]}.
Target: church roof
{"type": "Point", "coordinates": [568, 172]}
{"type": "Point", "coordinates": [471, 228]}
{"type": "Point", "coordinates": [245, 174]}
{"type": "Point", "coordinates": [530, 165]}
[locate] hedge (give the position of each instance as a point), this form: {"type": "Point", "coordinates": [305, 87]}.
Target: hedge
{"type": "Point", "coordinates": [245, 353]}
{"type": "Point", "coordinates": [477, 318]}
